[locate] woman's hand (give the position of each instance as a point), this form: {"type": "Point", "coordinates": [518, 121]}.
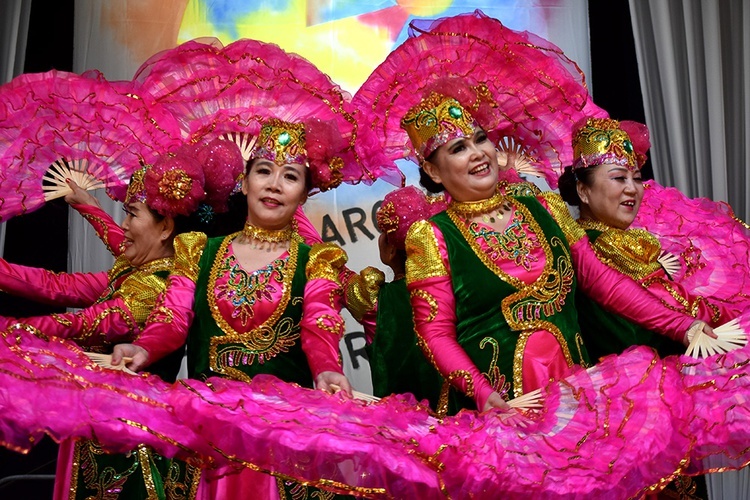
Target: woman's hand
{"type": "Point", "coordinates": [495, 400]}
{"type": "Point", "coordinates": [696, 328]}
{"type": "Point", "coordinates": [333, 382]}
{"type": "Point", "coordinates": [138, 354]}
{"type": "Point", "coordinates": [79, 196]}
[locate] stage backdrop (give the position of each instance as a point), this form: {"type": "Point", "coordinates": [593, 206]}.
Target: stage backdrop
{"type": "Point", "coordinates": [345, 38]}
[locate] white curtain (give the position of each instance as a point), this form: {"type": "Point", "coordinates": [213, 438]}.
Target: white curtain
{"type": "Point", "coordinates": [694, 65]}
{"type": "Point", "coordinates": [14, 27]}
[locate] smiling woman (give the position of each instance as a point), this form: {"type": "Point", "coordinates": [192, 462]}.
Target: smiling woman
{"type": "Point", "coordinates": [493, 277]}
{"type": "Point", "coordinates": [122, 305]}
{"type": "Point", "coordinates": [605, 183]}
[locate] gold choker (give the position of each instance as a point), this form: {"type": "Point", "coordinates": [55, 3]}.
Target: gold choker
{"type": "Point", "coordinates": [267, 235]}
{"type": "Point", "coordinates": [497, 204]}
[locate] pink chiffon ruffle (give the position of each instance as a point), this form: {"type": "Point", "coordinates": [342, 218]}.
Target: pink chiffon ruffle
{"type": "Point", "coordinates": [626, 425]}
{"type": "Point", "coordinates": [713, 246]}
{"type": "Point", "coordinates": [92, 124]}
{"type": "Point", "coordinates": [536, 94]}
{"type": "Point", "coordinates": [215, 90]}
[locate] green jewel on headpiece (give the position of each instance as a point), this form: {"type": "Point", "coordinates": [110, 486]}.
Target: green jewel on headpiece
{"type": "Point", "coordinates": [601, 140]}
{"type": "Point", "coordinates": [281, 142]}
{"type": "Point", "coordinates": [436, 120]}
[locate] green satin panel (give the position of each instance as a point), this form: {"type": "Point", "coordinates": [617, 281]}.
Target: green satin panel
{"type": "Point", "coordinates": [397, 363]}
{"type": "Point", "coordinates": [290, 366]}
{"type": "Point", "coordinates": [483, 304]}
{"type": "Point", "coordinates": [607, 333]}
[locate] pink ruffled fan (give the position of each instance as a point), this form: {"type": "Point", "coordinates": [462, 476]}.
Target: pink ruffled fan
{"type": "Point", "coordinates": [614, 430]}
{"type": "Point", "coordinates": [59, 125]}
{"type": "Point", "coordinates": [711, 248]}
{"type": "Point", "coordinates": [528, 90]}
{"type": "Point", "coordinates": [249, 81]}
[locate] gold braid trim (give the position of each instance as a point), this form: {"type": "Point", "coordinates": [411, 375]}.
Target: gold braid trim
{"type": "Point", "coordinates": [361, 290]}
{"type": "Point", "coordinates": [427, 297]}
{"type": "Point", "coordinates": [464, 375]}
{"type": "Point", "coordinates": [423, 258]}
{"type": "Point", "coordinates": [326, 261]}
{"type": "Point", "coordinates": [102, 230]}
{"type": "Point", "coordinates": [559, 210]}
{"type": "Point", "coordinates": [161, 313]}
{"type": "Point", "coordinates": [331, 324]}
{"type": "Point", "coordinates": [188, 248]}
{"type": "Point", "coordinates": [145, 459]}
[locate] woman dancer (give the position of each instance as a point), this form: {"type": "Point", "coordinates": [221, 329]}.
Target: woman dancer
{"type": "Point", "coordinates": [124, 304]}
{"type": "Point", "coordinates": [492, 278]}
{"type": "Point", "coordinates": [605, 183]}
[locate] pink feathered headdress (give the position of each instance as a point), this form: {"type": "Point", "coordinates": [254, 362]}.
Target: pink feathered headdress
{"type": "Point", "coordinates": [244, 90]}
{"type": "Point", "coordinates": [514, 84]}
{"type": "Point", "coordinates": [402, 208]}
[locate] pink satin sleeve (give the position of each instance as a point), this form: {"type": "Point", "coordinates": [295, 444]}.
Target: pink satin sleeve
{"type": "Point", "coordinates": [106, 322]}
{"type": "Point", "coordinates": [105, 226]}
{"type": "Point", "coordinates": [167, 326]}
{"type": "Point", "coordinates": [48, 287]}
{"type": "Point", "coordinates": [435, 322]}
{"type": "Point", "coordinates": [711, 311]}
{"type": "Point", "coordinates": [369, 324]}
{"type": "Point", "coordinates": [620, 294]}
{"type": "Point", "coordinates": [322, 325]}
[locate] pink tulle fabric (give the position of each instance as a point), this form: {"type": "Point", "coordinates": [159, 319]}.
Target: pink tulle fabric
{"type": "Point", "coordinates": [538, 93]}
{"type": "Point", "coordinates": [215, 91]}
{"type": "Point", "coordinates": [91, 124]}
{"type": "Point", "coordinates": [713, 246]}
{"type": "Point", "coordinates": [630, 423]}
{"type": "Point", "coordinates": [223, 167]}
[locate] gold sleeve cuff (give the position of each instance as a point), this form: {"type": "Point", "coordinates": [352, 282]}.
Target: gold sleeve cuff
{"type": "Point", "coordinates": [634, 252]}
{"type": "Point", "coordinates": [362, 291]}
{"type": "Point", "coordinates": [326, 261]}
{"type": "Point", "coordinates": [559, 210]}
{"type": "Point", "coordinates": [423, 258]}
{"type": "Point", "coordinates": [188, 248]}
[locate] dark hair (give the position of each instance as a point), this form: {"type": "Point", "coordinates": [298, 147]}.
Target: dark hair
{"type": "Point", "coordinates": [567, 184]}
{"type": "Point", "coordinates": [426, 181]}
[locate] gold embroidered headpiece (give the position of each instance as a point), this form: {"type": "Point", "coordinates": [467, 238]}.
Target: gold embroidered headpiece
{"type": "Point", "coordinates": [281, 142]}
{"type": "Point", "coordinates": [436, 120]}
{"type": "Point", "coordinates": [137, 188]}
{"type": "Point", "coordinates": [602, 140]}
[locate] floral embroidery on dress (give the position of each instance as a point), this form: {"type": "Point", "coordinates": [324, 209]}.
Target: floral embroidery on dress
{"type": "Point", "coordinates": [515, 243]}
{"type": "Point", "coordinates": [243, 290]}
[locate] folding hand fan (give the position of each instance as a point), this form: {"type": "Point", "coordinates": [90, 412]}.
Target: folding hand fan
{"type": "Point", "coordinates": [59, 125]}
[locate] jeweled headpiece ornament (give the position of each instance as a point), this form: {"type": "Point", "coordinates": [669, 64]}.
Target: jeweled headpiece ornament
{"type": "Point", "coordinates": [136, 188]}
{"type": "Point", "coordinates": [281, 142]}
{"type": "Point", "coordinates": [603, 140]}
{"type": "Point", "coordinates": [173, 185]}
{"type": "Point", "coordinates": [436, 120]}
